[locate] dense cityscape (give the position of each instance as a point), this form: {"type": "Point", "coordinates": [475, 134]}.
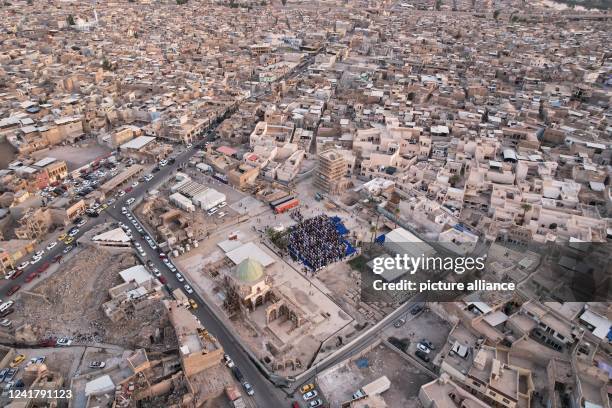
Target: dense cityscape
{"type": "Point", "coordinates": [305, 203]}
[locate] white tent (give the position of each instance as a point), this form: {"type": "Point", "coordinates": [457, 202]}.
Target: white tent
{"type": "Point", "coordinates": [209, 199]}
{"type": "Point", "coordinates": [99, 386]}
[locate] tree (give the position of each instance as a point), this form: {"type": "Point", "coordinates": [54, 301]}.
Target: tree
{"type": "Point", "coordinates": [106, 65]}
{"type": "Point", "coordinates": [284, 2]}
{"type": "Point", "coordinates": [496, 15]}
{"type": "Point", "coordinates": [70, 20]}
{"type": "Point", "coordinates": [181, 2]}
{"type": "Point", "coordinates": [438, 4]}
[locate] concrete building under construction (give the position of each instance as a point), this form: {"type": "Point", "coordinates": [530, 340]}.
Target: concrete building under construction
{"type": "Point", "coordinates": [331, 171]}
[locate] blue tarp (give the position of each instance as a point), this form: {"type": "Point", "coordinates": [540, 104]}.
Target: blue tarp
{"type": "Point", "coordinates": [362, 363]}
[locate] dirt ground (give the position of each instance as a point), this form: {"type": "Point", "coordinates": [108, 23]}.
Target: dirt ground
{"type": "Point", "coordinates": [74, 156]}
{"type": "Point", "coordinates": [69, 303]}
{"type": "Point", "coordinates": [340, 382]}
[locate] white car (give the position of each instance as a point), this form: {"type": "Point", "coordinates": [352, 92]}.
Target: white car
{"type": "Point", "coordinates": [223, 204]}
{"type": "Point", "coordinates": [249, 388]}
{"type": "Point", "coordinates": [310, 395]}
{"type": "Point", "coordinates": [423, 348]}
{"type": "Point", "coordinates": [23, 265]}
{"type": "Point", "coordinates": [163, 163]}
{"type": "Point", "coordinates": [63, 341]}
{"type": "Point", "coordinates": [134, 184]}
{"type": "Point", "coordinates": [5, 323]}
{"type": "Point", "coordinates": [9, 274]}
{"type": "Point", "coordinates": [74, 232]}
{"type": "Point", "coordinates": [51, 245]}
{"type": "Point", "coordinates": [82, 222]}
{"type": "Point", "coordinates": [212, 211]}
{"type": "Point", "coordinates": [39, 253]}
{"type": "Point", "coordinates": [124, 210]}
{"type": "Point", "coordinates": [121, 193]}
{"type": "Point", "coordinates": [130, 201]}
{"type": "Point", "coordinates": [35, 260]}
{"type": "Point", "coordinates": [179, 277]}
{"type": "Point", "coordinates": [156, 272]}
{"type": "Point", "coordinates": [188, 289]}
{"type": "Point", "coordinates": [148, 177]}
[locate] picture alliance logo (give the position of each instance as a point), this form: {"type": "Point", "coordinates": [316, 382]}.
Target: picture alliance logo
{"type": "Point", "coordinates": [410, 264]}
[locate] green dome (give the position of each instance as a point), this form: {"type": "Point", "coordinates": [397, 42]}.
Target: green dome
{"type": "Point", "coordinates": [249, 270]}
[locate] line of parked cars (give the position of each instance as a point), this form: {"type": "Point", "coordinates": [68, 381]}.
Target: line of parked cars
{"type": "Point", "coordinates": [309, 393]}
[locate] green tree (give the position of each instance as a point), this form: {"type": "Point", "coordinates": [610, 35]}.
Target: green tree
{"type": "Point", "coordinates": [438, 4]}
{"type": "Point", "coordinates": [284, 2]}
{"type": "Point", "coordinates": [106, 65]}
{"type": "Point", "coordinates": [70, 19]}
{"type": "Point", "coordinates": [181, 2]}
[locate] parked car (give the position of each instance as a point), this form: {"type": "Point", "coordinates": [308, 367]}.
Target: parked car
{"type": "Point", "coordinates": [43, 267]}
{"type": "Point", "coordinates": [416, 309]}
{"type": "Point", "coordinates": [193, 304]}
{"type": "Point", "coordinates": [36, 360]}
{"type": "Point", "coordinates": [51, 245]}
{"type": "Point", "coordinates": [423, 348]}
{"type": "Point", "coordinates": [16, 274]}
{"type": "Point", "coordinates": [248, 388]}
{"type": "Point", "coordinates": [5, 323]}
{"type": "Point", "coordinates": [315, 403]}
{"type": "Point", "coordinates": [399, 323]}
{"type": "Point", "coordinates": [188, 289]}
{"type": "Point", "coordinates": [17, 360]}
{"type": "Point", "coordinates": [67, 249]}
{"type": "Point", "coordinates": [423, 356]}
{"type": "Point", "coordinates": [63, 341]}
{"type": "Point", "coordinates": [130, 201]}
{"type": "Point", "coordinates": [97, 364]}
{"type": "Point", "coordinates": [228, 360]}
{"type": "Point", "coordinates": [428, 344]}
{"type": "Point", "coordinates": [307, 387]}
{"type": "Point", "coordinates": [179, 277]}
{"type": "Point", "coordinates": [310, 395]}
{"type": "Point", "coordinates": [13, 290]}
{"type": "Point", "coordinates": [23, 265]}
{"type": "Point", "coordinates": [31, 277]}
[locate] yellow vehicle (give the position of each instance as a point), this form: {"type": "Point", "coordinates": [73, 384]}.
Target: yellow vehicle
{"type": "Point", "coordinates": [17, 360]}
{"type": "Point", "coordinates": [62, 237]}
{"type": "Point", "coordinates": [69, 240]}
{"type": "Point", "coordinates": [103, 207]}
{"type": "Point", "coordinates": [306, 388]}
{"type": "Point", "coordinates": [193, 304]}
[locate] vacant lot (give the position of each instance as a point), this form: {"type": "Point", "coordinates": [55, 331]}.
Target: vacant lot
{"type": "Point", "coordinates": [340, 382]}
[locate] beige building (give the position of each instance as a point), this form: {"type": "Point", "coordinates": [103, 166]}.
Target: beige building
{"type": "Point", "coordinates": [331, 172]}
{"type": "Point", "coordinates": [12, 251]}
